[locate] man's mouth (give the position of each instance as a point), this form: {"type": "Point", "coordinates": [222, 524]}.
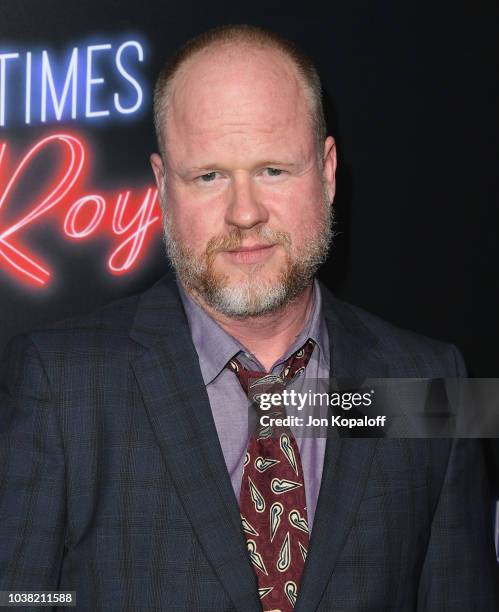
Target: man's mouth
{"type": "Point", "coordinates": [250, 254]}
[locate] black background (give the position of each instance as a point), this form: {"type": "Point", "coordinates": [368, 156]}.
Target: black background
{"type": "Point", "coordinates": [412, 97]}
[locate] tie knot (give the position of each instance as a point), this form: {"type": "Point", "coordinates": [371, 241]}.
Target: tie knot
{"type": "Point", "coordinates": [292, 367]}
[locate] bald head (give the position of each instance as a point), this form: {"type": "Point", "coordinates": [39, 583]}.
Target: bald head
{"type": "Point", "coordinates": [221, 93]}
{"type": "Point", "coordinates": [227, 70]}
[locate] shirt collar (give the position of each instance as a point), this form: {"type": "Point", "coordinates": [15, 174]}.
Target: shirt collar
{"type": "Point", "coordinates": [215, 347]}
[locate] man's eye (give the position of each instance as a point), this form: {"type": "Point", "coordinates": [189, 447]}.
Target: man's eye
{"type": "Point", "coordinates": [209, 177]}
{"type": "Point", "coordinates": [274, 171]}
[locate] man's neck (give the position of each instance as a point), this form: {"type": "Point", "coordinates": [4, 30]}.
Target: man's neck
{"type": "Point", "coordinates": [267, 336]}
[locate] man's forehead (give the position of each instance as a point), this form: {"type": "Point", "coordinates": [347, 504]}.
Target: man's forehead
{"type": "Point", "coordinates": [236, 87]}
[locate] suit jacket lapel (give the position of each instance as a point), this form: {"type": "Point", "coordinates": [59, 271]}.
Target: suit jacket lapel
{"type": "Point", "coordinates": [178, 407]}
{"type": "Point", "coordinates": [347, 461]}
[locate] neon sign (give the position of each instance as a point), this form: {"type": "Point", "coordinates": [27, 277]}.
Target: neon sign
{"type": "Point", "coordinates": [130, 219]}
{"type": "Point", "coordinates": [88, 82]}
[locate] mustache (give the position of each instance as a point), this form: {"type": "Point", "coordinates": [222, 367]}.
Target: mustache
{"type": "Point", "coordinates": [235, 237]}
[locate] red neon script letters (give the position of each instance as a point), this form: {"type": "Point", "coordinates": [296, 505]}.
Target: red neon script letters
{"type": "Point", "coordinates": [82, 216]}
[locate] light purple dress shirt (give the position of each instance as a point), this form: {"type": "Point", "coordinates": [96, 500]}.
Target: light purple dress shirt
{"type": "Point", "coordinates": [229, 404]}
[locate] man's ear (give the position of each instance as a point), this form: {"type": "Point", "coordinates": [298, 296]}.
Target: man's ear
{"type": "Point", "coordinates": [329, 167]}
{"type": "Point", "coordinates": [159, 173]}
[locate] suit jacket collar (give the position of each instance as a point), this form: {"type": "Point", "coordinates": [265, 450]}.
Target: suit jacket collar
{"type": "Point", "coordinates": [177, 404]}
{"type": "Point", "coordinates": [347, 461]}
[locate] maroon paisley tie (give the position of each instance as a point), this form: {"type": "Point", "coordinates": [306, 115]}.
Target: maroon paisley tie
{"type": "Point", "coordinates": [272, 501]}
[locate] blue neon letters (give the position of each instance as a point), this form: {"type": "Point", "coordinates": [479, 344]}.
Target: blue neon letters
{"type": "Point", "coordinates": [85, 83]}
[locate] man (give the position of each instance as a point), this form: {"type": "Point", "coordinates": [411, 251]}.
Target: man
{"type": "Point", "coordinates": [126, 470]}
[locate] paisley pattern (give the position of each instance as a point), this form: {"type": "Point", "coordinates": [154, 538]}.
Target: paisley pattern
{"type": "Point", "coordinates": [298, 521]}
{"type": "Point", "coordinates": [256, 497]}
{"type": "Point", "coordinates": [247, 527]}
{"type": "Point", "coordinates": [272, 501]}
{"type": "Point", "coordinates": [279, 486]}
{"type": "Point", "coordinates": [263, 464]}
{"type": "Point", "coordinates": [287, 449]}
{"type": "Point", "coordinates": [263, 592]}
{"type": "Point", "coordinates": [275, 518]}
{"type": "Point", "coordinates": [291, 591]}
{"type": "Point", "coordinates": [284, 558]}
{"type": "Point", "coordinates": [256, 557]}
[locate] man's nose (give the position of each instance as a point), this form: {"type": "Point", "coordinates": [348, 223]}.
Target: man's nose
{"type": "Point", "coordinates": [245, 208]}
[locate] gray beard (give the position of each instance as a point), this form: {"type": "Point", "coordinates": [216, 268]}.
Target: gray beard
{"type": "Point", "coordinates": [253, 296]}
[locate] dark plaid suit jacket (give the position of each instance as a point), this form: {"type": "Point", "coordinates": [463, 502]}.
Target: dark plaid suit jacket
{"type": "Point", "coordinates": [113, 482]}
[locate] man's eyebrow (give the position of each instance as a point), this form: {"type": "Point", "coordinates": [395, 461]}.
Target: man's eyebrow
{"type": "Point", "coordinates": [271, 162]}
{"type": "Point", "coordinates": [263, 164]}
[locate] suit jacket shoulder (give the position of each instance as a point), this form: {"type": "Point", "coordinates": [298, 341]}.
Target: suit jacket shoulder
{"type": "Point", "coordinates": [408, 354]}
